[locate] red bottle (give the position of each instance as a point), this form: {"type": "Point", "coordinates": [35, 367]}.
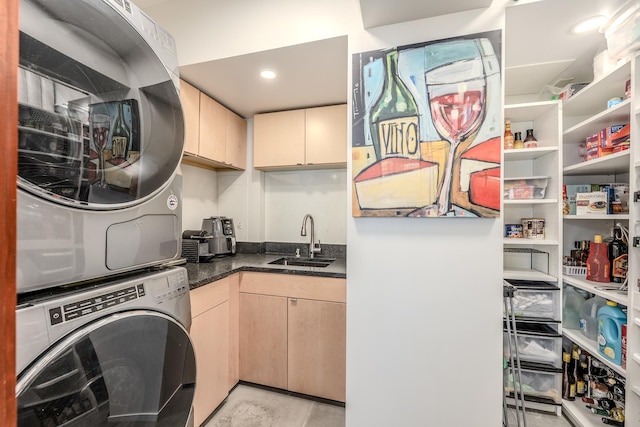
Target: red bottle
{"type": "Point", "coordinates": [598, 262]}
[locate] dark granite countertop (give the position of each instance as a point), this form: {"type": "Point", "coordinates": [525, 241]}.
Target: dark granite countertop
{"type": "Point", "coordinates": [202, 273]}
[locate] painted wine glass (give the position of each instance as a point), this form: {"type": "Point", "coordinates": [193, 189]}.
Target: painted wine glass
{"type": "Point", "coordinates": [456, 97]}
{"type": "Point", "coordinates": [100, 124]}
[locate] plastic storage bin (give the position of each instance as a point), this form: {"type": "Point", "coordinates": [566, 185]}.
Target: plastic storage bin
{"type": "Point", "coordinates": [534, 299]}
{"type": "Point", "coordinates": [533, 187]}
{"type": "Point", "coordinates": [538, 344]}
{"type": "Point", "coordinates": [622, 31]}
{"type": "Point", "coordinates": [545, 386]}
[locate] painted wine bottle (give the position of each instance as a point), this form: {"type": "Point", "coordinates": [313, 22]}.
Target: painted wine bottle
{"type": "Point", "coordinates": [394, 116]}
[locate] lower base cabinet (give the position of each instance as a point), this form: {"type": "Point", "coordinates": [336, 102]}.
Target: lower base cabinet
{"type": "Point", "coordinates": [293, 333]}
{"type": "Point", "coordinates": [210, 328]}
{"type": "Point", "coordinates": [317, 348]}
{"type": "Point", "coordinates": [263, 339]}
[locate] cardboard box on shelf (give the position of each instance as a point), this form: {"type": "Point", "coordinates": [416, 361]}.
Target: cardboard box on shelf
{"type": "Point", "coordinates": [572, 190]}
{"type": "Point", "coordinates": [591, 203]}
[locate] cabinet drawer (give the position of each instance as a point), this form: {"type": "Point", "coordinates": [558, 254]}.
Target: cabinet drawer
{"type": "Point", "coordinates": [209, 296]}
{"type": "Point", "coordinates": [545, 386]}
{"type": "Point", "coordinates": [535, 348]}
{"type": "Point", "coordinates": [294, 286]}
{"type": "Point", "coordinates": [532, 299]}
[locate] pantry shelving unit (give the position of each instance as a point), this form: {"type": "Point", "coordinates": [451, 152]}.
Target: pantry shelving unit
{"type": "Point", "coordinates": [584, 114]}
{"type": "Point", "coordinates": [537, 260]}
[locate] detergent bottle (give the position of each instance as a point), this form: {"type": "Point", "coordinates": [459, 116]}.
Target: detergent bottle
{"type": "Point", "coordinates": [610, 321]}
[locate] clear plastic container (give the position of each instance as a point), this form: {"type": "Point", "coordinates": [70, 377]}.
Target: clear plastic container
{"type": "Point", "coordinates": [589, 316]}
{"type": "Point", "coordinates": [572, 301]}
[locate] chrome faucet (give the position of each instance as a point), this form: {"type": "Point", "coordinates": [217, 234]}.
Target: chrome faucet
{"type": "Point", "coordinates": [303, 232]}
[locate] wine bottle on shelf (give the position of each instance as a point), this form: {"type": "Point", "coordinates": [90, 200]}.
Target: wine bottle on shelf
{"type": "Point", "coordinates": [394, 116]}
{"type": "Point", "coordinates": [568, 380]}
{"type": "Point", "coordinates": [581, 385]}
{"type": "Point", "coordinates": [618, 257]}
{"type": "Point", "coordinates": [120, 136]}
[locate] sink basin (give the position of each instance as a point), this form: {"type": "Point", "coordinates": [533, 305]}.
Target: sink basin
{"type": "Point", "coordinates": [303, 262]}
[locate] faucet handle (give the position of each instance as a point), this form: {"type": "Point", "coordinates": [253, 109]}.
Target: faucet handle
{"type": "Point", "coordinates": [316, 247]}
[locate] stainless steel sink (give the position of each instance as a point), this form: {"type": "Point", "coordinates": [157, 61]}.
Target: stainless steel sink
{"type": "Point", "coordinates": [303, 262]}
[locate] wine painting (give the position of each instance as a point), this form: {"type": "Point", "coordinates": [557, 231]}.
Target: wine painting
{"type": "Point", "coordinates": [115, 147]}
{"type": "Point", "coordinates": [427, 128]}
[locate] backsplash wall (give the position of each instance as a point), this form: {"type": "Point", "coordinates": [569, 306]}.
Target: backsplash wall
{"type": "Point", "coordinates": [199, 196]}
{"type": "Point", "coordinates": [290, 195]}
{"type": "Point", "coordinates": [283, 197]}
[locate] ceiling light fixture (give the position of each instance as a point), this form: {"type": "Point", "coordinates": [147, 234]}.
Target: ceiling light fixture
{"type": "Point", "coordinates": [589, 24]}
{"type": "Point", "coordinates": [267, 74]}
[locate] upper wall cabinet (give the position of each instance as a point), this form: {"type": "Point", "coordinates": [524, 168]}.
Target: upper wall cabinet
{"type": "Point", "coordinates": [215, 137]}
{"type": "Point", "coordinates": [311, 137]}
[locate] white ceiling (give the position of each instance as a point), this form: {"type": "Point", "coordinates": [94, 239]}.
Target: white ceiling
{"type": "Point", "coordinates": [540, 50]}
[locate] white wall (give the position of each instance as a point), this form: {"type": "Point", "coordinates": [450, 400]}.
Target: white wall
{"type": "Point", "coordinates": [424, 319]}
{"type": "Point", "coordinates": [199, 196]}
{"type": "Point", "coordinates": [424, 296]}
{"type": "Point", "coordinates": [291, 195]}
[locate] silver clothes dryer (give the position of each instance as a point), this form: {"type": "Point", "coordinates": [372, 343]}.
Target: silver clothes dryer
{"type": "Point", "coordinates": [100, 139]}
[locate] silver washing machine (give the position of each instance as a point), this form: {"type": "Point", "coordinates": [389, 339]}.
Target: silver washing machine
{"type": "Point", "coordinates": [101, 133]}
{"type": "Point", "coordinates": [116, 354]}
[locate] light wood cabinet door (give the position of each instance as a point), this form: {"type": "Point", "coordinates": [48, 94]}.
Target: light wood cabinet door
{"type": "Point", "coordinates": [317, 348]}
{"type": "Point", "coordinates": [213, 129]}
{"type": "Point", "coordinates": [326, 135]}
{"type": "Point", "coordinates": [278, 139]}
{"type": "Point", "coordinates": [190, 100]}
{"type": "Point", "coordinates": [210, 336]}
{"type": "Point", "coordinates": [263, 339]}
{"type": "Point", "coordinates": [236, 140]}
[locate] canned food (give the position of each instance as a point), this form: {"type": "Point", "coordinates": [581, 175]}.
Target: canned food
{"type": "Point", "coordinates": [513, 230]}
{"type": "Point", "coordinates": [533, 228]}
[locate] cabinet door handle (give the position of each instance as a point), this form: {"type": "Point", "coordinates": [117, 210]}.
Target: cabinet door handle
{"type": "Point", "coordinates": [294, 300]}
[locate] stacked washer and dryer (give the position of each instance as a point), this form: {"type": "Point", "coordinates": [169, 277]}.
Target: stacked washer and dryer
{"type": "Point", "coordinates": [102, 315]}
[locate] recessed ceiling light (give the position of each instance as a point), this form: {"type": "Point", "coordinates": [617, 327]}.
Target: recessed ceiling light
{"type": "Point", "coordinates": [589, 24]}
{"type": "Point", "coordinates": [267, 74]}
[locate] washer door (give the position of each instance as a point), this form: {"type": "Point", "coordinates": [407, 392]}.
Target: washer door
{"type": "Point", "coordinates": [134, 368]}
{"type": "Point", "coordinates": [100, 120]}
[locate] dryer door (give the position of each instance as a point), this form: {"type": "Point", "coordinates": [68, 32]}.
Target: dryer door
{"type": "Point", "coordinates": [100, 120]}
{"type": "Point", "coordinates": [133, 368]}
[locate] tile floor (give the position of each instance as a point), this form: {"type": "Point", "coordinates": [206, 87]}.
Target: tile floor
{"type": "Point", "coordinates": [249, 406]}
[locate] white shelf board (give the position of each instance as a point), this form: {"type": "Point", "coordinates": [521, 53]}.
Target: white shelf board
{"type": "Point", "coordinates": [526, 242]}
{"type": "Point", "coordinates": [592, 348]}
{"type": "Point", "coordinates": [613, 163]}
{"type": "Point", "coordinates": [530, 201]}
{"type": "Point", "coordinates": [616, 115]}
{"type": "Point", "coordinates": [613, 217]}
{"type": "Point", "coordinates": [579, 415]}
{"type": "Point", "coordinates": [528, 153]}
{"type": "Point", "coordinates": [593, 98]}
{"type": "Point", "coordinates": [527, 111]}
{"type": "Point", "coordinates": [527, 274]}
{"type": "Point", "coordinates": [597, 288]}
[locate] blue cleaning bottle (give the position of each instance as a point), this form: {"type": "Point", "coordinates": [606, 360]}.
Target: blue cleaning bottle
{"type": "Point", "coordinates": [610, 320]}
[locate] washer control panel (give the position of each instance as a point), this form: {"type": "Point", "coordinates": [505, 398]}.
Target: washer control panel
{"type": "Point", "coordinates": [91, 305]}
